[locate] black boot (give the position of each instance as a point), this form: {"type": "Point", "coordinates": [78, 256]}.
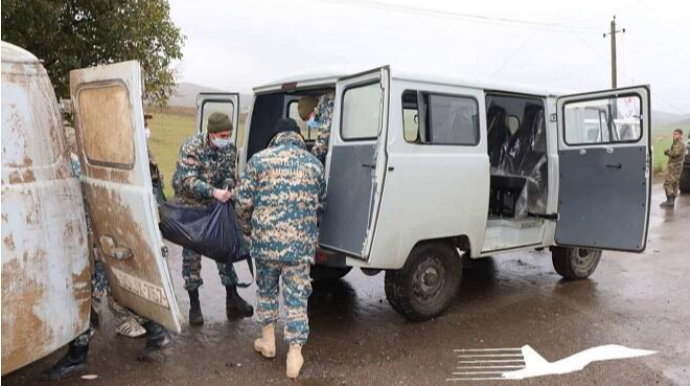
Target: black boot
{"type": "Point", "coordinates": [196, 318]}
{"type": "Point", "coordinates": [235, 306]}
{"type": "Point", "coordinates": [157, 337]}
{"type": "Point", "coordinates": [669, 203]}
{"type": "Point", "coordinates": [73, 363]}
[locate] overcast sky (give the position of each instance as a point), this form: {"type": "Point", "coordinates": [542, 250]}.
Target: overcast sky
{"type": "Point", "coordinates": [238, 45]}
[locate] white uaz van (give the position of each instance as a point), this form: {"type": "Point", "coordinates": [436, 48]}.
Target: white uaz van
{"type": "Point", "coordinates": [422, 169]}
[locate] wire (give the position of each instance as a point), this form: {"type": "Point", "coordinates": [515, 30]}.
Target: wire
{"type": "Point", "coordinates": [482, 19]}
{"type": "Point", "coordinates": [514, 54]}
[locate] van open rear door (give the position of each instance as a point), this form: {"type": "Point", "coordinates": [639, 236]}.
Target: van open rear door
{"type": "Point", "coordinates": [228, 103]}
{"type": "Point", "coordinates": [356, 163]}
{"type": "Point", "coordinates": [117, 185]}
{"type": "Point", "coordinates": [604, 157]}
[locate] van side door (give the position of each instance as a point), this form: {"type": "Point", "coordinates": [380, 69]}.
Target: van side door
{"type": "Point", "coordinates": [604, 172]}
{"type": "Point", "coordinates": [356, 163]}
{"type": "Point", "coordinates": [117, 186]}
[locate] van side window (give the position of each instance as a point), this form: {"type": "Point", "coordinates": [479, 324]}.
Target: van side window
{"type": "Point", "coordinates": [440, 119]}
{"type": "Point", "coordinates": [106, 125]}
{"type": "Point", "coordinates": [603, 121]}
{"type": "Point", "coordinates": [361, 116]}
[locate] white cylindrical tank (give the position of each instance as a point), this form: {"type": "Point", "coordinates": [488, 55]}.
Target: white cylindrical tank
{"type": "Point", "coordinates": [45, 266]}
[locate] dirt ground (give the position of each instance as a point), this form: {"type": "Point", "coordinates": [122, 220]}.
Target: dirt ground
{"type": "Point", "coordinates": [639, 301]}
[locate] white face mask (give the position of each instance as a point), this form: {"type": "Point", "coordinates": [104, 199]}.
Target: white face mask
{"type": "Point", "coordinates": [220, 142]}
{"type": "Point", "coordinates": [147, 133]}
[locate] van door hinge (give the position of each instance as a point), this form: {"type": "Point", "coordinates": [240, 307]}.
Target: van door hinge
{"type": "Point", "coordinates": [164, 251]}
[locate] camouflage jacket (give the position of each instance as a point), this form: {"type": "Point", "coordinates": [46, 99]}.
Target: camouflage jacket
{"type": "Point", "coordinates": [676, 153]}
{"type": "Point", "coordinates": [278, 199]}
{"type": "Point", "coordinates": [324, 115]}
{"type": "Point", "coordinates": [200, 168]}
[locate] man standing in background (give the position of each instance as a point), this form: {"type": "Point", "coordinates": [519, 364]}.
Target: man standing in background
{"type": "Point", "coordinates": [676, 156]}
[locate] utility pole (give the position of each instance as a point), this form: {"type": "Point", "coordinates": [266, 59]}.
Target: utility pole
{"type": "Point", "coordinates": [614, 66]}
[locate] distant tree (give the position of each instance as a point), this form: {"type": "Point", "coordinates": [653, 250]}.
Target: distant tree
{"type": "Point", "coordinates": [71, 34]}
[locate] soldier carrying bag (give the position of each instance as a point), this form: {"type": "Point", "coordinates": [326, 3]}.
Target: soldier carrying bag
{"type": "Point", "coordinates": [210, 231]}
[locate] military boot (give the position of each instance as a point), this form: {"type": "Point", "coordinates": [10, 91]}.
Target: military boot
{"type": "Point", "coordinates": [235, 306]}
{"type": "Point", "coordinates": [157, 338]}
{"type": "Point", "coordinates": [73, 363]}
{"type": "Point", "coordinates": [294, 361]}
{"type": "Point", "coordinates": [196, 318]}
{"type": "Point", "coordinates": [266, 345]}
{"type": "Point", "coordinates": [669, 203]}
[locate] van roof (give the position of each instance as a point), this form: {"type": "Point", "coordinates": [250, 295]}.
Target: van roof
{"type": "Point", "coordinates": [332, 74]}
{"type": "Point", "coordinates": [15, 54]}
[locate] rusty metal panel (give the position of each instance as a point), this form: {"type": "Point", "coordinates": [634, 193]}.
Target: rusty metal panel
{"type": "Point", "coordinates": [119, 196]}
{"type": "Point", "coordinates": [104, 110]}
{"type": "Point", "coordinates": [45, 267]}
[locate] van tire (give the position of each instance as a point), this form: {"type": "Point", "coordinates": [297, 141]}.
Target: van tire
{"type": "Point", "coordinates": [685, 180]}
{"type": "Point", "coordinates": [575, 263]}
{"type": "Point", "coordinates": [437, 262]}
{"type": "Point", "coordinates": [324, 273]}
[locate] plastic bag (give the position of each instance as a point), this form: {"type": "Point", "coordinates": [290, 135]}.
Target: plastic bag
{"type": "Point", "coordinates": [212, 231]}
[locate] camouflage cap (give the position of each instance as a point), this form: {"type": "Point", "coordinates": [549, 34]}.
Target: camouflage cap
{"type": "Point", "coordinates": [218, 123]}
{"type": "Point", "coordinates": [306, 106]}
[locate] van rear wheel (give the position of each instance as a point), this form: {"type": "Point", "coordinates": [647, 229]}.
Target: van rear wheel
{"type": "Point", "coordinates": [575, 263]}
{"type": "Point", "coordinates": [427, 284]}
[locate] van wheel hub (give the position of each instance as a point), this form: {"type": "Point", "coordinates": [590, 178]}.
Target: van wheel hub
{"type": "Point", "coordinates": [428, 279]}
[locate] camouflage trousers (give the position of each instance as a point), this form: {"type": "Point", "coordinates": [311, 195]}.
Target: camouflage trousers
{"type": "Point", "coordinates": [191, 271]}
{"type": "Point", "coordinates": [672, 181]}
{"type": "Point", "coordinates": [296, 292]}
{"type": "Point", "coordinates": [100, 289]}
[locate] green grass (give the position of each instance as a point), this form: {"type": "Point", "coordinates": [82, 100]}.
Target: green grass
{"type": "Point", "coordinates": [168, 132]}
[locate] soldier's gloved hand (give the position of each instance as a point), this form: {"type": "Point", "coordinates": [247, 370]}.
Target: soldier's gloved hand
{"type": "Point", "coordinates": [666, 152]}
{"type": "Point", "coordinates": [222, 195]}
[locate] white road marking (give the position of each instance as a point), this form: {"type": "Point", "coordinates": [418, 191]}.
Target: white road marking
{"type": "Point", "coordinates": [486, 364]}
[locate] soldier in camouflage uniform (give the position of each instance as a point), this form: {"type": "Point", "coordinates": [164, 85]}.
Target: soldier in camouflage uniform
{"type": "Point", "coordinates": [320, 119]}
{"type": "Point", "coordinates": [205, 172]}
{"type": "Point", "coordinates": [676, 156]}
{"type": "Point", "coordinates": [75, 361]}
{"type": "Point", "coordinates": [278, 198]}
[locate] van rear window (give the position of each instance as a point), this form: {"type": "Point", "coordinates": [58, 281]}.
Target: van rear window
{"type": "Point", "coordinates": [105, 116]}
{"type": "Point", "coordinates": [361, 117]}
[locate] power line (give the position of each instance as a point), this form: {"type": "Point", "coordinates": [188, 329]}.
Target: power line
{"type": "Point", "coordinates": [475, 18]}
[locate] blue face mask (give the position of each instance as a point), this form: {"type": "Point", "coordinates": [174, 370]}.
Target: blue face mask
{"type": "Point", "coordinates": [312, 123]}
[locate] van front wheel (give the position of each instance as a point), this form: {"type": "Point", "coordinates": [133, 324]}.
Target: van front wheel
{"type": "Point", "coordinates": [575, 263]}
{"type": "Point", "coordinates": [428, 282]}
{"type": "Point", "coordinates": [685, 180]}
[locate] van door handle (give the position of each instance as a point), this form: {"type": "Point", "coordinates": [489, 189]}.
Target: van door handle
{"type": "Point", "coordinates": [110, 248]}
{"type": "Point", "coordinates": [370, 166]}
{"type": "Point", "coordinates": [615, 166]}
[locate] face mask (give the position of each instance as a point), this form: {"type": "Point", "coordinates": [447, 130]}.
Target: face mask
{"type": "Point", "coordinates": [147, 133]}
{"type": "Point", "coordinates": [312, 123]}
{"type": "Point", "coordinates": [220, 142]}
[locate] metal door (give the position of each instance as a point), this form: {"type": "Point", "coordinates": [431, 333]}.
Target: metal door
{"type": "Point", "coordinates": [604, 169]}
{"type": "Point", "coordinates": [356, 163]}
{"type": "Point", "coordinates": [117, 185]}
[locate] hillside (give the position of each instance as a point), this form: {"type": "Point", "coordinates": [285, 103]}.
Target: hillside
{"type": "Point", "coordinates": [186, 93]}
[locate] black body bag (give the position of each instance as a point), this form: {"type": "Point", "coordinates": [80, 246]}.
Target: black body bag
{"type": "Point", "coordinates": [212, 231]}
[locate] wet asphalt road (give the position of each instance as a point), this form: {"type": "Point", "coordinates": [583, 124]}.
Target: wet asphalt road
{"type": "Point", "coordinates": [639, 301]}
